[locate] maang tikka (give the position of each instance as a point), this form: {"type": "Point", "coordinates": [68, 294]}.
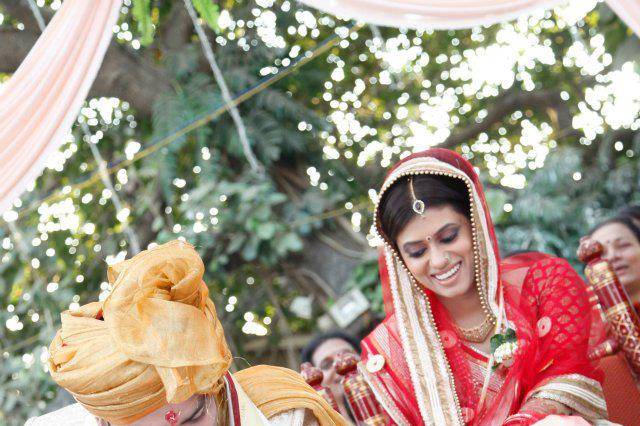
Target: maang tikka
{"type": "Point", "coordinates": [418, 206]}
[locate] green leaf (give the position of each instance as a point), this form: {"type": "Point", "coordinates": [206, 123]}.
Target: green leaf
{"type": "Point", "coordinates": [266, 230]}
{"type": "Point", "coordinates": [496, 341]}
{"type": "Point", "coordinates": [250, 250]}
{"type": "Point", "coordinates": [142, 13]}
{"type": "Point", "coordinates": [290, 242]}
{"type": "Point", "coordinates": [236, 243]}
{"type": "Point", "coordinates": [276, 198]}
{"type": "Point", "coordinates": [209, 11]}
{"type": "Point", "coordinates": [157, 223]}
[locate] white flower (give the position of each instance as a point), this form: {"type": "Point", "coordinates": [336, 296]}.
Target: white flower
{"type": "Point", "coordinates": [505, 352]}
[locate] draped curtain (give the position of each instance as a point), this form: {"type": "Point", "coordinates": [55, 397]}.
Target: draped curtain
{"type": "Point", "coordinates": [453, 14]}
{"type": "Point", "coordinates": [41, 100]}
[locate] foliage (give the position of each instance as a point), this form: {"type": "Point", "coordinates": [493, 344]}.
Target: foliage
{"type": "Point", "coordinates": [209, 11]}
{"type": "Point", "coordinates": [550, 220]}
{"type": "Point", "coordinates": [141, 11]}
{"type": "Point", "coordinates": [365, 277]}
{"type": "Point", "coordinates": [325, 134]}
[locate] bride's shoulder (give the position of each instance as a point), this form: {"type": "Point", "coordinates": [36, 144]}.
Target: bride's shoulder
{"type": "Point", "coordinates": [71, 415]}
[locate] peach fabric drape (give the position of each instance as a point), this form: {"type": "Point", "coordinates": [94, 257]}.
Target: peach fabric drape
{"type": "Point", "coordinates": [41, 100]}
{"type": "Point", "coordinates": [453, 14]}
{"type": "Point", "coordinates": [277, 390]}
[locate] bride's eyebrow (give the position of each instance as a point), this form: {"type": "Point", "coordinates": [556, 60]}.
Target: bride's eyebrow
{"type": "Point", "coordinates": [446, 227]}
{"type": "Point", "coordinates": [195, 412]}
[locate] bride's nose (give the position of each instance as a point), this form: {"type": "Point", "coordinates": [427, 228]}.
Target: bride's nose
{"type": "Point", "coordinates": [437, 260]}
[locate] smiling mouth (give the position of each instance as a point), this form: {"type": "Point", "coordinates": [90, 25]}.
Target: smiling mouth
{"type": "Point", "coordinates": [448, 274]}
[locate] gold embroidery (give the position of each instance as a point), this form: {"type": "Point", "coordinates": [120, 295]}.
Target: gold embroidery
{"type": "Point", "coordinates": [578, 392]}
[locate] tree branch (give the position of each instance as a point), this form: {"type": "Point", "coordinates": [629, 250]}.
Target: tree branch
{"type": "Point", "coordinates": [131, 77]}
{"type": "Point", "coordinates": [20, 11]}
{"type": "Point", "coordinates": [18, 43]}
{"type": "Point", "coordinates": [124, 74]}
{"type": "Point", "coordinates": [508, 104]}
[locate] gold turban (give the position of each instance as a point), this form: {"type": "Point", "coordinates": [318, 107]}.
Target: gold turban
{"type": "Point", "coordinates": [155, 339]}
{"type": "Point", "coordinates": [275, 390]}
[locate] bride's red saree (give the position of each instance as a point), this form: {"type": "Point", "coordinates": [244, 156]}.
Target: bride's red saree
{"type": "Point", "coordinates": [424, 374]}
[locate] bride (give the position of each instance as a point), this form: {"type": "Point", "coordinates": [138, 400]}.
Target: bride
{"type": "Point", "coordinates": [468, 338]}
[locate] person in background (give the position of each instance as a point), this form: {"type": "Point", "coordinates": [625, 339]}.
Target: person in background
{"type": "Point", "coordinates": [620, 237]}
{"type": "Point", "coordinates": [322, 352]}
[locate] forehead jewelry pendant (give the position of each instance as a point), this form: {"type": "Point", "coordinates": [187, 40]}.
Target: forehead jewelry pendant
{"type": "Point", "coordinates": [172, 418]}
{"type": "Point", "coordinates": [418, 206]}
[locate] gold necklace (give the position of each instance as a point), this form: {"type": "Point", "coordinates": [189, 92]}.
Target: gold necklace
{"type": "Point", "coordinates": [479, 333]}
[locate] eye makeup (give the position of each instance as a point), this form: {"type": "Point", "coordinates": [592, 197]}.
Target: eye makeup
{"type": "Point", "coordinates": [416, 253]}
{"type": "Point", "coordinates": [445, 235]}
{"type": "Point", "coordinates": [451, 236]}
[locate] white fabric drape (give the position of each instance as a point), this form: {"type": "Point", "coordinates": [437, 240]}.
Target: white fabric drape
{"type": "Point", "coordinates": [70, 415]}
{"type": "Point", "coordinates": [41, 100]}
{"type": "Point", "coordinates": [453, 14]}
{"type": "Point", "coordinates": [433, 14]}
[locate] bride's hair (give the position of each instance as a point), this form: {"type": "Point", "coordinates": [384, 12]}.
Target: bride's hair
{"type": "Point", "coordinates": [396, 206]}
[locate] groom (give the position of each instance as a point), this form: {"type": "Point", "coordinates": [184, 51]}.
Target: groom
{"type": "Point", "coordinates": [154, 353]}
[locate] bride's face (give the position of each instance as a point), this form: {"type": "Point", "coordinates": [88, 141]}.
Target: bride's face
{"type": "Point", "coordinates": [196, 411]}
{"type": "Point", "coordinates": [437, 248]}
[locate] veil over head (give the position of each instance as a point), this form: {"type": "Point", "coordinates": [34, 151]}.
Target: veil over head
{"type": "Point", "coordinates": [443, 162]}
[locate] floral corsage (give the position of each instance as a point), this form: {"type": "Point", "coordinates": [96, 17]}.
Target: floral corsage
{"type": "Point", "coordinates": [503, 348]}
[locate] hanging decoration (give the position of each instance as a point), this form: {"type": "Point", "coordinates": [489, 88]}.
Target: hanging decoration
{"type": "Point", "coordinates": [450, 15]}
{"type": "Point", "coordinates": [42, 98]}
